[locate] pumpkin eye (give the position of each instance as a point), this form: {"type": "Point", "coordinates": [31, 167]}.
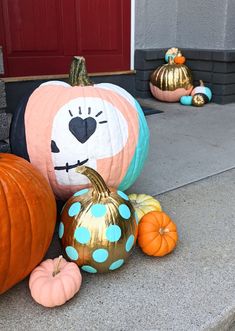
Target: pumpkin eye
{"type": "Point", "coordinates": [54, 147]}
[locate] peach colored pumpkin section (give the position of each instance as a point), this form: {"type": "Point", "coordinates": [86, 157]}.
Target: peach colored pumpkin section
{"type": "Point", "coordinates": [42, 106]}
{"type": "Point", "coordinates": [169, 96]}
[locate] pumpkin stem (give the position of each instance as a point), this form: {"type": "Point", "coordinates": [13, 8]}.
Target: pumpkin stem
{"type": "Point", "coordinates": [78, 74]}
{"type": "Point", "coordinates": [201, 82]}
{"type": "Point", "coordinates": [171, 60]}
{"type": "Point", "coordinates": [57, 270]}
{"type": "Point", "coordinates": [163, 231]}
{"type": "Point", "coordinates": [97, 181]}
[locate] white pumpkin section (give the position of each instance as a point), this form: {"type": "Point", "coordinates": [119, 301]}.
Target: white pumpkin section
{"type": "Point", "coordinates": [103, 143]}
{"type": "Point", "coordinates": [55, 82]}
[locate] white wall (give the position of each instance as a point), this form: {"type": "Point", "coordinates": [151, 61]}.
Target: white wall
{"type": "Point", "coordinates": [205, 24]}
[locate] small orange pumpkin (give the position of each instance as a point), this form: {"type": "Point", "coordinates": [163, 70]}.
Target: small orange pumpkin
{"type": "Point", "coordinates": [180, 59]}
{"type": "Point", "coordinates": [157, 234]}
{"type": "Point", "coordinates": [54, 282]}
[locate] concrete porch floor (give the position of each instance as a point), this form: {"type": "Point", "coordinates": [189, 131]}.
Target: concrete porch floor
{"type": "Point", "coordinates": [191, 170]}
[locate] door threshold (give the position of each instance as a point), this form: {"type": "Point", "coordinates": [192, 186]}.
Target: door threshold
{"type": "Point", "coordinates": [64, 76]}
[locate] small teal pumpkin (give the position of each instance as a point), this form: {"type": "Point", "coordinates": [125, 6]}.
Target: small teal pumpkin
{"type": "Point", "coordinates": [186, 100]}
{"type": "Point", "coordinates": [171, 53]}
{"type": "Point", "coordinates": [203, 90]}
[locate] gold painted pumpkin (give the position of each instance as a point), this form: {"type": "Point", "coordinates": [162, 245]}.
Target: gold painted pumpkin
{"type": "Point", "coordinates": [171, 81]}
{"type": "Point", "coordinates": [143, 204]}
{"type": "Point", "coordinates": [98, 226]}
{"type": "Point", "coordinates": [198, 100]}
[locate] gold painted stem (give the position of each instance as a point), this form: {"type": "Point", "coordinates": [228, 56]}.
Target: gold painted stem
{"type": "Point", "coordinates": [57, 270]}
{"type": "Point", "coordinates": [97, 181]}
{"type": "Point", "coordinates": [78, 75]}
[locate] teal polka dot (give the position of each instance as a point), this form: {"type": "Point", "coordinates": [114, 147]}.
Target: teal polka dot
{"type": "Point", "coordinates": [81, 192]}
{"type": "Point", "coordinates": [74, 209]}
{"type": "Point", "coordinates": [124, 211]}
{"type": "Point", "coordinates": [130, 243]}
{"type": "Point", "coordinates": [117, 264]}
{"type": "Point", "coordinates": [122, 195]}
{"type": "Point", "coordinates": [82, 235]}
{"type": "Point", "coordinates": [113, 233]}
{"type": "Point", "coordinates": [61, 230]}
{"type": "Point", "coordinates": [72, 253]}
{"type": "Point", "coordinates": [89, 269]}
{"type": "Point", "coordinates": [98, 210]}
{"type": "Point", "coordinates": [100, 255]}
{"type": "Point", "coordinates": [136, 218]}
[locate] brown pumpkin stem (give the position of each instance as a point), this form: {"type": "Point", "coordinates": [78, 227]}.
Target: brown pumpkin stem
{"type": "Point", "coordinates": [57, 269]}
{"type": "Point", "coordinates": [163, 231]}
{"type": "Point", "coordinates": [97, 181]}
{"type": "Point", "coordinates": [201, 82]}
{"type": "Point", "coordinates": [78, 75]}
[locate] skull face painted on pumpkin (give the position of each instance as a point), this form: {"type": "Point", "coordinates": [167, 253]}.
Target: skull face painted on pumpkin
{"type": "Point", "coordinates": [87, 125]}
{"type": "Point", "coordinates": [61, 127]}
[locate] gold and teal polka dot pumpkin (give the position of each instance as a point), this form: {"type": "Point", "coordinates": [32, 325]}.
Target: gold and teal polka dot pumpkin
{"type": "Point", "coordinates": [98, 227]}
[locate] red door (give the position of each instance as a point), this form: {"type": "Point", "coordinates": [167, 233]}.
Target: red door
{"type": "Point", "coordinates": [39, 37]}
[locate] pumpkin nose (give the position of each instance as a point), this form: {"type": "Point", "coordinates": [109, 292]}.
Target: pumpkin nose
{"type": "Point", "coordinates": [82, 129]}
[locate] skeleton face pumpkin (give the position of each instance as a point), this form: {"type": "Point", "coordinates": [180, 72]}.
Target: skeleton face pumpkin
{"type": "Point", "coordinates": [100, 126]}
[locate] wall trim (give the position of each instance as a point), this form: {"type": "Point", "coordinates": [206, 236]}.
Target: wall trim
{"type": "Point", "coordinates": [132, 60]}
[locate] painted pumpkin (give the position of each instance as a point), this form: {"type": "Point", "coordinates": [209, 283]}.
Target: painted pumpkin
{"type": "Point", "coordinates": [98, 227]}
{"type": "Point", "coordinates": [171, 81]}
{"type": "Point", "coordinates": [198, 100]}
{"type": "Point", "coordinates": [186, 100]}
{"type": "Point", "coordinates": [157, 234]}
{"type": "Point", "coordinates": [61, 127]}
{"type": "Point", "coordinates": [143, 204]}
{"type": "Point", "coordinates": [179, 59]}
{"type": "Point", "coordinates": [54, 282]}
{"type": "Point", "coordinates": [171, 53]}
{"type": "Point", "coordinates": [202, 89]}
{"type": "Point", "coordinates": [27, 219]}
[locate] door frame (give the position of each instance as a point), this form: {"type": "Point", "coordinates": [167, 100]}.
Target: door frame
{"type": "Point", "coordinates": [132, 41]}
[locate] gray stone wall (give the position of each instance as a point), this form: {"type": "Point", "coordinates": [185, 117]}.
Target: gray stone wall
{"type": "Point", "coordinates": [5, 118]}
{"type": "Point", "coordinates": [1, 62]}
{"type": "Point", "coordinates": [204, 24]}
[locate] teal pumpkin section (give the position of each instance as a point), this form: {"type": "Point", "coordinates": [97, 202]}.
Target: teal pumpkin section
{"type": "Point", "coordinates": [167, 57]}
{"type": "Point", "coordinates": [186, 100]}
{"type": "Point", "coordinates": [208, 93]}
{"type": "Point", "coordinates": [141, 152]}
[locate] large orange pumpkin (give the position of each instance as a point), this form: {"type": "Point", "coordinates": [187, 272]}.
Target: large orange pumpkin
{"type": "Point", "coordinates": [27, 219]}
{"type": "Point", "coordinates": [157, 234]}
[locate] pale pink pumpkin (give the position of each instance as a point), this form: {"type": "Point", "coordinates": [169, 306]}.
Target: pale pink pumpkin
{"type": "Point", "coordinates": [54, 282]}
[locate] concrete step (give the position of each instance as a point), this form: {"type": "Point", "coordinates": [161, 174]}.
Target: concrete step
{"type": "Point", "coordinates": [189, 290]}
